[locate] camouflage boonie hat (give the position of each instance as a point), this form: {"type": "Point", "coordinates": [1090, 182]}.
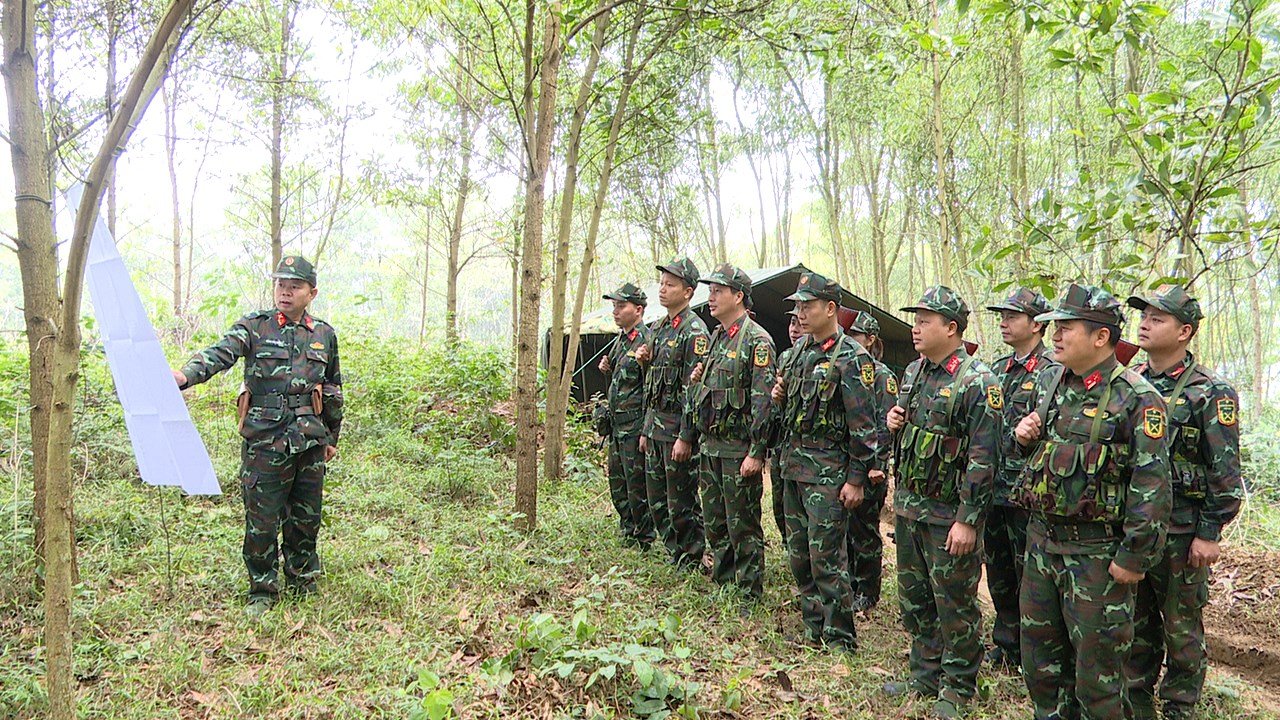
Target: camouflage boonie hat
{"type": "Point", "coordinates": [1174, 300]}
{"type": "Point", "coordinates": [865, 323]}
{"type": "Point", "coordinates": [944, 301]}
{"type": "Point", "coordinates": [1086, 302]}
{"type": "Point", "coordinates": [815, 286]}
{"type": "Point", "coordinates": [729, 276]}
{"type": "Point", "coordinates": [684, 269]}
{"type": "Point", "coordinates": [295, 267]}
{"type": "Point", "coordinates": [628, 293]}
{"type": "Point", "coordinates": [1023, 300]}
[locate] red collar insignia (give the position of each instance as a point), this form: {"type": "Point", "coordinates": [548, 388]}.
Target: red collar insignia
{"type": "Point", "coordinates": [281, 319]}
{"type": "Point", "coordinates": [733, 330]}
{"type": "Point", "coordinates": [1008, 365]}
{"type": "Point", "coordinates": [828, 344]}
{"type": "Point", "coordinates": [632, 335]}
{"type": "Point", "coordinates": [1033, 363]}
{"type": "Point", "coordinates": [953, 364]}
{"type": "Point", "coordinates": [675, 321]}
{"type": "Point", "coordinates": [1142, 369]}
{"type": "Point", "coordinates": [1178, 373]}
{"type": "Point", "coordinates": [1092, 381]}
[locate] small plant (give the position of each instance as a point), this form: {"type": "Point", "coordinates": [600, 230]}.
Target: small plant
{"type": "Point", "coordinates": [436, 700]}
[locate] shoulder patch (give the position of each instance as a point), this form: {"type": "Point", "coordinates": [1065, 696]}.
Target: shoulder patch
{"type": "Point", "coordinates": [1153, 423]}
{"type": "Point", "coordinates": [891, 384]}
{"type": "Point", "coordinates": [995, 398]}
{"type": "Point", "coordinates": [945, 392]}
{"type": "Point", "coordinates": [700, 345]}
{"type": "Point", "coordinates": [1226, 411]}
{"type": "Point", "coordinates": [760, 357]}
{"type": "Point", "coordinates": [868, 374]}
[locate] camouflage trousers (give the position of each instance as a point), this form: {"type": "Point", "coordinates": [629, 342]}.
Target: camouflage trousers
{"type": "Point", "coordinates": [866, 544]}
{"type": "Point", "coordinates": [282, 499]}
{"type": "Point", "coordinates": [1004, 544]}
{"type": "Point", "coordinates": [627, 487]}
{"type": "Point", "coordinates": [1077, 627]}
{"type": "Point", "coordinates": [731, 511]}
{"type": "Point", "coordinates": [672, 491]}
{"type": "Point", "coordinates": [776, 493]}
{"type": "Point", "coordinates": [938, 594]}
{"type": "Point", "coordinates": [816, 524]}
{"type": "Point", "coordinates": [1168, 629]}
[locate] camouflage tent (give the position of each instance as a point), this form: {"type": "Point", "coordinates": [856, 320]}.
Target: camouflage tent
{"type": "Point", "coordinates": [769, 287]}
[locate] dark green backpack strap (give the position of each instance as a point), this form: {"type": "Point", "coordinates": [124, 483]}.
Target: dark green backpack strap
{"type": "Point", "coordinates": [955, 386]}
{"type": "Point", "coordinates": [1043, 408]}
{"type": "Point", "coordinates": [1095, 429]}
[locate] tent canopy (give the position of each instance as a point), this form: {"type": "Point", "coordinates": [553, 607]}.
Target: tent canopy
{"type": "Point", "coordinates": [769, 287]}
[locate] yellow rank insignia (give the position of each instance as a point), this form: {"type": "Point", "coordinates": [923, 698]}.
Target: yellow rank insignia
{"type": "Point", "coordinates": [317, 346]}
{"type": "Point", "coordinates": [1226, 411]}
{"type": "Point", "coordinates": [868, 374]}
{"type": "Point", "coordinates": [1028, 385]}
{"type": "Point", "coordinates": [760, 357]}
{"type": "Point", "coordinates": [1153, 423]}
{"type": "Point", "coordinates": [1090, 412]}
{"type": "Point", "coordinates": [944, 392]}
{"type": "Point", "coordinates": [700, 345]}
{"type": "Point", "coordinates": [891, 384]}
{"type": "Point", "coordinates": [995, 398]}
{"type": "Point", "coordinates": [671, 343]}
{"type": "Point", "coordinates": [731, 354]}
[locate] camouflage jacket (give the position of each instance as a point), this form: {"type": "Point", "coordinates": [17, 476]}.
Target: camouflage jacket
{"type": "Point", "coordinates": [785, 358]}
{"type": "Point", "coordinates": [945, 458]}
{"type": "Point", "coordinates": [1018, 382]}
{"type": "Point", "coordinates": [730, 409]}
{"type": "Point", "coordinates": [626, 380]}
{"type": "Point", "coordinates": [284, 363]}
{"type": "Point", "coordinates": [677, 345]}
{"type": "Point", "coordinates": [1204, 448]}
{"type": "Point", "coordinates": [885, 389]}
{"type": "Point", "coordinates": [828, 415]}
{"type": "Point", "coordinates": [1121, 478]}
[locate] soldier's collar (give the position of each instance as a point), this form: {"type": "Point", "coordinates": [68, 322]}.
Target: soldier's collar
{"type": "Point", "coordinates": [1173, 371]}
{"type": "Point", "coordinates": [733, 328]}
{"type": "Point", "coordinates": [1099, 373]}
{"type": "Point", "coordinates": [307, 320]}
{"type": "Point", "coordinates": [830, 342]}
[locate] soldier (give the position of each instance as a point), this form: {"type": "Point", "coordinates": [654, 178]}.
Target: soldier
{"type": "Point", "coordinates": [1097, 485]}
{"type": "Point", "coordinates": [866, 545]}
{"type": "Point", "coordinates": [794, 333]}
{"type": "Point", "coordinates": [679, 341]}
{"type": "Point", "coordinates": [290, 410]}
{"type": "Point", "coordinates": [730, 409]}
{"type": "Point", "coordinates": [626, 410]}
{"type": "Point", "coordinates": [1005, 536]}
{"type": "Point", "coordinates": [828, 447]}
{"type": "Point", "coordinates": [945, 421]}
{"type": "Point", "coordinates": [1204, 455]}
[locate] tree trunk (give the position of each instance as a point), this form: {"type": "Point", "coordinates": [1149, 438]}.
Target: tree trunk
{"type": "Point", "coordinates": [1018, 158]}
{"type": "Point", "coordinates": [113, 38]}
{"type": "Point", "coordinates": [170, 99]}
{"type": "Point", "coordinates": [945, 231]}
{"type": "Point", "coordinates": [557, 399]}
{"type": "Point", "coordinates": [426, 280]}
{"type": "Point", "coordinates": [538, 134]}
{"type": "Point", "coordinates": [279, 92]}
{"type": "Point", "coordinates": [466, 112]}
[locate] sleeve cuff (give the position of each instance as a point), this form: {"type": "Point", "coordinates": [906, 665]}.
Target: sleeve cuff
{"type": "Point", "coordinates": [758, 449]}
{"type": "Point", "coordinates": [1131, 561]}
{"type": "Point", "coordinates": [1209, 531]}
{"type": "Point", "coordinates": [969, 515]}
{"type": "Point", "coordinates": [856, 478]}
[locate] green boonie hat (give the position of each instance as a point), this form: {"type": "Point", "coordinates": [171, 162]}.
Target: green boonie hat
{"type": "Point", "coordinates": [684, 269]}
{"type": "Point", "coordinates": [729, 276]}
{"type": "Point", "coordinates": [1174, 300]}
{"type": "Point", "coordinates": [815, 286]}
{"type": "Point", "coordinates": [628, 293]}
{"type": "Point", "coordinates": [865, 323]}
{"type": "Point", "coordinates": [1086, 302]}
{"type": "Point", "coordinates": [944, 301]}
{"type": "Point", "coordinates": [1023, 300]}
{"type": "Point", "coordinates": [295, 267]}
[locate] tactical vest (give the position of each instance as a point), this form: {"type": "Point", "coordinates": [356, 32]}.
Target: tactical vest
{"type": "Point", "coordinates": [931, 459]}
{"type": "Point", "coordinates": [664, 383]}
{"type": "Point", "coordinates": [1078, 482]}
{"type": "Point", "coordinates": [815, 407]}
{"type": "Point", "coordinates": [1190, 468]}
{"type": "Point", "coordinates": [723, 411]}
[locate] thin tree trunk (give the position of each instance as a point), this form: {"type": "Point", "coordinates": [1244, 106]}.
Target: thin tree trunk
{"type": "Point", "coordinates": [945, 236]}
{"type": "Point", "coordinates": [279, 92]}
{"type": "Point", "coordinates": [466, 112]}
{"type": "Point", "coordinates": [170, 100]}
{"type": "Point", "coordinates": [426, 281]}
{"type": "Point", "coordinates": [113, 38]}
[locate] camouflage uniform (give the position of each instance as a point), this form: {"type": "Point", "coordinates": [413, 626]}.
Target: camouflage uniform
{"type": "Point", "coordinates": [866, 544]}
{"type": "Point", "coordinates": [1204, 441]}
{"type": "Point", "coordinates": [626, 411]}
{"type": "Point", "coordinates": [945, 458]}
{"type": "Point", "coordinates": [731, 411]}
{"type": "Point", "coordinates": [829, 440]}
{"type": "Point", "coordinates": [1005, 536]}
{"type": "Point", "coordinates": [678, 344]}
{"type": "Point", "coordinates": [775, 455]}
{"type": "Point", "coordinates": [1097, 487]}
{"type": "Point", "coordinates": [291, 409]}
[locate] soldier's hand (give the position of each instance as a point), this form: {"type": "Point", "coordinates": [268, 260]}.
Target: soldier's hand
{"type": "Point", "coordinates": [330, 452]}
{"type": "Point", "coordinates": [605, 365]}
{"type": "Point", "coordinates": [643, 354]}
{"type": "Point", "coordinates": [962, 539]}
{"type": "Point", "coordinates": [751, 467]}
{"type": "Point", "coordinates": [778, 394]}
{"type": "Point", "coordinates": [851, 496]}
{"type": "Point", "coordinates": [682, 451]}
{"type": "Point", "coordinates": [644, 444]}
{"type": "Point", "coordinates": [877, 477]}
{"type": "Point", "coordinates": [1123, 576]}
{"type": "Point", "coordinates": [1204, 553]}
{"type": "Point", "coordinates": [896, 418]}
{"type": "Point", "coordinates": [696, 375]}
{"type": "Point", "coordinates": [1028, 430]}
{"type": "Point", "coordinates": [179, 378]}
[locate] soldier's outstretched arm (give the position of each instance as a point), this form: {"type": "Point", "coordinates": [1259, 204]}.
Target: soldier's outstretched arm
{"type": "Point", "coordinates": [220, 356]}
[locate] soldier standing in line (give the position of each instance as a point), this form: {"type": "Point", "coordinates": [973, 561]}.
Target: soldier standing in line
{"type": "Point", "coordinates": [828, 447]}
{"type": "Point", "coordinates": [866, 544]}
{"type": "Point", "coordinates": [731, 410]}
{"type": "Point", "coordinates": [290, 418]}
{"type": "Point", "coordinates": [945, 422]}
{"type": "Point", "coordinates": [1097, 485]}
{"type": "Point", "coordinates": [626, 410]}
{"type": "Point", "coordinates": [679, 342]}
{"type": "Point", "coordinates": [775, 436]}
{"type": "Point", "coordinates": [1204, 455]}
{"type": "Point", "coordinates": [1005, 537]}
